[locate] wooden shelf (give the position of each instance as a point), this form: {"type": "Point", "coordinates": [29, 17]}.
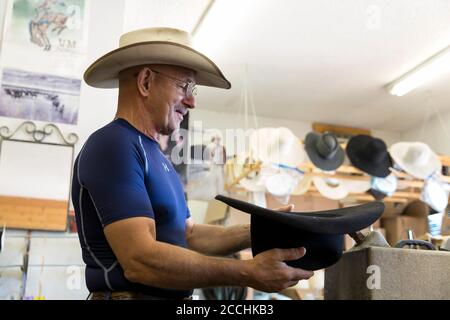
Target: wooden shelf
{"type": "Point", "coordinates": [411, 191]}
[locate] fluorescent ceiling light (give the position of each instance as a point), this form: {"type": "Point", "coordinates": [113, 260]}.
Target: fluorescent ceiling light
{"type": "Point", "coordinates": [424, 72]}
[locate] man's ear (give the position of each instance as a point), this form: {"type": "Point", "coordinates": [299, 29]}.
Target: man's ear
{"type": "Point", "coordinates": [143, 81]}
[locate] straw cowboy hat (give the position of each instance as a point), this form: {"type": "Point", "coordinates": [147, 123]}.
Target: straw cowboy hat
{"type": "Point", "coordinates": [277, 146]}
{"type": "Point", "coordinates": [415, 158]}
{"type": "Point", "coordinates": [329, 187]}
{"type": "Point", "coordinates": [321, 233]}
{"type": "Point", "coordinates": [303, 185]}
{"type": "Point", "coordinates": [282, 184]}
{"type": "Point", "coordinates": [435, 193]}
{"type": "Point", "coordinates": [383, 187]}
{"type": "Point", "coordinates": [154, 46]}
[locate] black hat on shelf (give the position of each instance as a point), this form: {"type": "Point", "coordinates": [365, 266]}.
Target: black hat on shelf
{"type": "Point", "coordinates": [370, 155]}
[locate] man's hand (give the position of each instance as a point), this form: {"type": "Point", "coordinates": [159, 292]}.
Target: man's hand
{"type": "Point", "coordinates": [270, 273]}
{"type": "Point", "coordinates": [287, 208]}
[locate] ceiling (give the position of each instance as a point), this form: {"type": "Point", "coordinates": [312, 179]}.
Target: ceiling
{"type": "Point", "coordinates": [323, 60]}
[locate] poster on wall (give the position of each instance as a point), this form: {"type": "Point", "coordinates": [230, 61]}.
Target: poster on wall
{"type": "Point", "coordinates": [42, 61]}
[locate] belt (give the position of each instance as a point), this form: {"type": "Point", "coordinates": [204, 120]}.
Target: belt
{"type": "Point", "coordinates": [128, 295]}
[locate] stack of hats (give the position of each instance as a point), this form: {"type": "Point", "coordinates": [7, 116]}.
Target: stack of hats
{"type": "Point", "coordinates": [279, 148]}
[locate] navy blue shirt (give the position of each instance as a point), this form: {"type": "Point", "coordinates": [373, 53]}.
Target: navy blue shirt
{"type": "Point", "coordinates": [120, 173]}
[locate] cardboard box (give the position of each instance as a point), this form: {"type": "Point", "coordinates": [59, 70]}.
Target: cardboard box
{"type": "Point", "coordinates": [389, 273]}
{"type": "Point", "coordinates": [393, 209]}
{"type": "Point", "coordinates": [396, 228]}
{"type": "Point", "coordinates": [445, 229]}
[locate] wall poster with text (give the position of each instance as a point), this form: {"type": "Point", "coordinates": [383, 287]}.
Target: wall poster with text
{"type": "Point", "coordinates": [42, 59]}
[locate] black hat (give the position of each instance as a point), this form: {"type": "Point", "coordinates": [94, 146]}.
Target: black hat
{"type": "Point", "coordinates": [324, 150]}
{"type": "Point", "coordinates": [321, 232]}
{"type": "Point", "coordinates": [370, 155]}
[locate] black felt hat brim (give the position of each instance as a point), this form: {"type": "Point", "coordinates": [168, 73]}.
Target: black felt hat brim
{"type": "Point", "coordinates": [354, 147]}
{"type": "Point", "coordinates": [321, 233]}
{"type": "Point", "coordinates": [337, 221]}
{"type": "Point", "coordinates": [325, 164]}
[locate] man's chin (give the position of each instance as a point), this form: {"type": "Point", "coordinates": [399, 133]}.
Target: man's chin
{"type": "Point", "coordinates": [171, 129]}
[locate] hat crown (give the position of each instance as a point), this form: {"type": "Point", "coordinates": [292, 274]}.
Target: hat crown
{"type": "Point", "coordinates": [327, 145]}
{"type": "Point", "coordinates": [418, 154]}
{"type": "Point", "coordinates": [375, 150]}
{"type": "Point", "coordinates": [156, 34]}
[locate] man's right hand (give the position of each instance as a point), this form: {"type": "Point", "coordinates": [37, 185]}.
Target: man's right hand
{"type": "Point", "coordinates": [269, 273]}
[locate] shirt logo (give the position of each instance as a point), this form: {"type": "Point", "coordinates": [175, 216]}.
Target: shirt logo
{"type": "Point", "coordinates": [166, 168]}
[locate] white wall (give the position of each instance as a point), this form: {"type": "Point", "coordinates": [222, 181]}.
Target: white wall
{"type": "Point", "coordinates": [97, 106]}
{"type": "Point", "coordinates": [222, 121]}
{"type": "Point", "coordinates": [435, 132]}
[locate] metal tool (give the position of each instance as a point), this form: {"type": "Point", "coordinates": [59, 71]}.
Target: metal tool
{"type": "Point", "coordinates": [372, 239]}
{"type": "Point", "coordinates": [411, 243]}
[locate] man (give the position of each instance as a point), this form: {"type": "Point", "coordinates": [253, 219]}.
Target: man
{"type": "Point", "coordinates": [137, 237]}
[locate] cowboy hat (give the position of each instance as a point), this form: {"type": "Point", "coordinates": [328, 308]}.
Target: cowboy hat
{"type": "Point", "coordinates": [383, 187]}
{"type": "Point", "coordinates": [331, 188]}
{"type": "Point", "coordinates": [415, 158]}
{"type": "Point", "coordinates": [324, 150]}
{"type": "Point", "coordinates": [302, 186]}
{"type": "Point", "coordinates": [154, 46]}
{"type": "Point", "coordinates": [370, 155]}
{"type": "Point", "coordinates": [435, 193]}
{"type": "Point", "coordinates": [277, 146]}
{"type": "Point", "coordinates": [321, 233]}
{"type": "Point", "coordinates": [355, 186]}
{"type": "Point", "coordinates": [281, 184]}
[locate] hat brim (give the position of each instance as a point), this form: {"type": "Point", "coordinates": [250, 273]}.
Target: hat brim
{"type": "Point", "coordinates": [104, 72]}
{"type": "Point", "coordinates": [354, 147]}
{"type": "Point", "coordinates": [398, 151]}
{"type": "Point", "coordinates": [355, 186]}
{"type": "Point", "coordinates": [338, 192]}
{"type": "Point", "coordinates": [325, 164]}
{"type": "Point", "coordinates": [302, 186]}
{"type": "Point", "coordinates": [321, 233]}
{"type": "Point", "coordinates": [337, 221]}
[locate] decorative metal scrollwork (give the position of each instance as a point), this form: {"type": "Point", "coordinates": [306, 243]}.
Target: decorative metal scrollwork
{"type": "Point", "coordinates": [39, 135]}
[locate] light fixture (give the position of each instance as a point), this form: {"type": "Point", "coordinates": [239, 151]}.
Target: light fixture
{"type": "Point", "coordinates": [429, 69]}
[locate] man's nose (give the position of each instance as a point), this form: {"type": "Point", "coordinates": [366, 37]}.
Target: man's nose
{"type": "Point", "coordinates": [189, 102]}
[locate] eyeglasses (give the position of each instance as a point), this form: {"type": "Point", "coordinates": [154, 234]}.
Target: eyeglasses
{"type": "Point", "coordinates": [189, 87]}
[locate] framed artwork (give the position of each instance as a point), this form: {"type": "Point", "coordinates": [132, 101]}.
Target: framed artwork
{"type": "Point", "coordinates": [42, 59]}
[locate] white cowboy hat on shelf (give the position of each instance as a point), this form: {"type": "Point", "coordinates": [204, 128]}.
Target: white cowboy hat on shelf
{"type": "Point", "coordinates": [331, 188]}
{"type": "Point", "coordinates": [277, 145]}
{"type": "Point", "coordinates": [282, 184]}
{"type": "Point", "coordinates": [303, 185]}
{"type": "Point", "coordinates": [415, 158]}
{"type": "Point", "coordinates": [154, 46]}
{"type": "Point", "coordinates": [256, 182]}
{"type": "Point", "coordinates": [435, 193]}
{"type": "Point", "coordinates": [382, 187]}
{"type": "Point", "coordinates": [353, 185]}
